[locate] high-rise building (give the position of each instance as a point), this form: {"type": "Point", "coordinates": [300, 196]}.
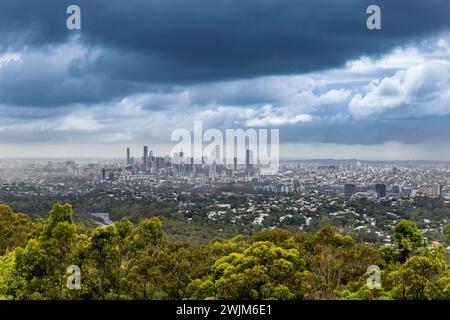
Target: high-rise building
{"type": "Point", "coordinates": [190, 166]}
{"type": "Point", "coordinates": [235, 163]}
{"type": "Point", "coordinates": [128, 157]}
{"type": "Point", "coordinates": [380, 189]}
{"type": "Point", "coordinates": [437, 189]}
{"type": "Point", "coordinates": [145, 159]}
{"type": "Point", "coordinates": [248, 160]}
{"type": "Point", "coordinates": [349, 190]}
{"type": "Point", "coordinates": [150, 162]}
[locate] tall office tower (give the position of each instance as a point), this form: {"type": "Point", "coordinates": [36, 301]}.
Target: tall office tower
{"type": "Point", "coordinates": [150, 162]}
{"type": "Point", "coordinates": [128, 157]}
{"type": "Point", "coordinates": [349, 190]}
{"type": "Point", "coordinates": [248, 160]}
{"type": "Point", "coordinates": [160, 163]}
{"type": "Point", "coordinates": [145, 159]}
{"type": "Point", "coordinates": [182, 169]}
{"type": "Point", "coordinates": [235, 163]}
{"type": "Point", "coordinates": [192, 166]}
{"type": "Point", "coordinates": [380, 189]}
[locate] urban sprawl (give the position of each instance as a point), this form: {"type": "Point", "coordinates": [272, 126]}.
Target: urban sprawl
{"type": "Point", "coordinates": [362, 198]}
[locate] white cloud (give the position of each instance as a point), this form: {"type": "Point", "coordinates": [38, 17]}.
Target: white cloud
{"type": "Point", "coordinates": [334, 96]}
{"type": "Point", "coordinates": [9, 57]}
{"type": "Point", "coordinates": [274, 120]}
{"type": "Point", "coordinates": [77, 123]}
{"type": "Point", "coordinates": [424, 88]}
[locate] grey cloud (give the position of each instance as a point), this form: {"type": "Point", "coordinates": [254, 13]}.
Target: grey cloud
{"type": "Point", "coordinates": [196, 40]}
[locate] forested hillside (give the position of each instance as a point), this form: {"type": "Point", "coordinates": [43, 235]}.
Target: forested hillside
{"type": "Point", "coordinates": [127, 261]}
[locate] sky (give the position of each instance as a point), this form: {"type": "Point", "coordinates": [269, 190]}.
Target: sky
{"type": "Point", "coordinates": [139, 69]}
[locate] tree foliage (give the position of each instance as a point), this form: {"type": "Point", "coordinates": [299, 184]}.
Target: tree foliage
{"type": "Point", "coordinates": [128, 261]}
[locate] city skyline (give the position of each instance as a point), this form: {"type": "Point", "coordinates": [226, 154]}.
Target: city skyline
{"type": "Point", "coordinates": [308, 152]}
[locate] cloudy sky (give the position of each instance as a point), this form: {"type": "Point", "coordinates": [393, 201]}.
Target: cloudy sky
{"type": "Point", "coordinates": [139, 69]}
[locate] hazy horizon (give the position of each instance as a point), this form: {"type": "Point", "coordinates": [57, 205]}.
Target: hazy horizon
{"type": "Point", "coordinates": [384, 152]}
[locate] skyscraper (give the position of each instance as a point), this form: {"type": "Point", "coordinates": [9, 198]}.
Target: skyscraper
{"type": "Point", "coordinates": [128, 157]}
{"type": "Point", "coordinates": [145, 159]}
{"type": "Point", "coordinates": [248, 160]}
{"type": "Point", "coordinates": [151, 162]}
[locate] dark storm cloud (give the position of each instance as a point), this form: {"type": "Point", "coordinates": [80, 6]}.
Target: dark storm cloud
{"type": "Point", "coordinates": [198, 40]}
{"type": "Point", "coordinates": [60, 92]}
